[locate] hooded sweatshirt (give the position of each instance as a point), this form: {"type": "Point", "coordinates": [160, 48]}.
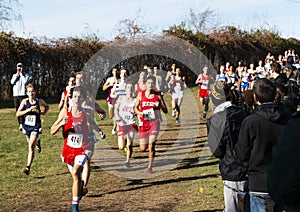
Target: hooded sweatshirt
{"type": "Point", "coordinates": [257, 138]}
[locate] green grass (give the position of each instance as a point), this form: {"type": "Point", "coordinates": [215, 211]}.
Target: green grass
{"type": "Point", "coordinates": [48, 187]}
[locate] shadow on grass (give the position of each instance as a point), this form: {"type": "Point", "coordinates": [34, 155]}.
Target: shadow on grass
{"type": "Point", "coordinates": [192, 163]}
{"type": "Point", "coordinates": [141, 185]}
{"type": "Point", "coordinates": [58, 174]}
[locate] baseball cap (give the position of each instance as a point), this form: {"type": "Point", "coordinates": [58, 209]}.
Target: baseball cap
{"type": "Point", "coordinates": [19, 64]}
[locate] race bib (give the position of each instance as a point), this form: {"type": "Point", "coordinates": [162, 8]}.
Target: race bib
{"type": "Point", "coordinates": [204, 85]}
{"type": "Point", "coordinates": [75, 140]}
{"type": "Point", "coordinates": [30, 120]}
{"type": "Point", "coordinates": [149, 114]}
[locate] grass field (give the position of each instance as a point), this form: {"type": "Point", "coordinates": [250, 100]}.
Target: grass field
{"type": "Point", "coordinates": [185, 176]}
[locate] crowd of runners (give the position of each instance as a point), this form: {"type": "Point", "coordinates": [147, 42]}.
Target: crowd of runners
{"type": "Point", "coordinates": [135, 107]}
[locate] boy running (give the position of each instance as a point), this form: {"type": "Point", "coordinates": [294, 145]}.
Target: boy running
{"type": "Point", "coordinates": [30, 108]}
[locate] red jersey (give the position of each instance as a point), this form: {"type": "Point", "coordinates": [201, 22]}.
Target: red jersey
{"type": "Point", "coordinates": [148, 107]}
{"type": "Point", "coordinates": [76, 141]}
{"type": "Point", "coordinates": [204, 87]}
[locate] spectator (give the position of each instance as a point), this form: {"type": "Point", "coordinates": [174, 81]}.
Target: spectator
{"type": "Point", "coordinates": [283, 174]}
{"type": "Point", "coordinates": [19, 81]}
{"type": "Point", "coordinates": [257, 138]}
{"type": "Point", "coordinates": [223, 129]}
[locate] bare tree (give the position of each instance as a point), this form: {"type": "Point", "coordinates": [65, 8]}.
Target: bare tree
{"type": "Point", "coordinates": [9, 13]}
{"type": "Point", "coordinates": [201, 21]}
{"type": "Point", "coordinates": [132, 28]}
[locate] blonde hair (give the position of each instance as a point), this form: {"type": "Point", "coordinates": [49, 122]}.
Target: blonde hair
{"type": "Point", "coordinates": [29, 85]}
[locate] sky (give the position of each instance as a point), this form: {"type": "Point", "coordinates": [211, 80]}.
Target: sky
{"type": "Point", "coordinates": [78, 18]}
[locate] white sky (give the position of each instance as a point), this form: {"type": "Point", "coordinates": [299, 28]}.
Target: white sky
{"type": "Point", "coordinates": [77, 18]}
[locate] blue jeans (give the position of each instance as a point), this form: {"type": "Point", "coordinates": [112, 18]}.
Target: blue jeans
{"type": "Point", "coordinates": [261, 202]}
{"type": "Point", "coordinates": [231, 190]}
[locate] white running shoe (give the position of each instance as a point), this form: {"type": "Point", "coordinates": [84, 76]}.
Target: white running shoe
{"type": "Point", "coordinates": [173, 113]}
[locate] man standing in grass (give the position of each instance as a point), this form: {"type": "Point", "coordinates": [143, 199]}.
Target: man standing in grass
{"type": "Point", "coordinates": [18, 82]}
{"type": "Point", "coordinates": [257, 138]}
{"type": "Point", "coordinates": [223, 129]}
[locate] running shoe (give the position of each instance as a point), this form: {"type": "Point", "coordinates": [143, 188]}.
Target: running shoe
{"type": "Point", "coordinates": [149, 171]}
{"type": "Point", "coordinates": [204, 115]}
{"type": "Point", "coordinates": [173, 113]}
{"type": "Point", "coordinates": [75, 208]}
{"type": "Point", "coordinates": [127, 164]}
{"type": "Point", "coordinates": [20, 127]}
{"type": "Point", "coordinates": [26, 171]}
{"type": "Point", "coordinates": [177, 120]}
{"type": "Point", "coordinates": [102, 135]}
{"type": "Point", "coordinates": [113, 132]}
{"type": "Point", "coordinates": [38, 145]}
{"type": "Point", "coordinates": [84, 191]}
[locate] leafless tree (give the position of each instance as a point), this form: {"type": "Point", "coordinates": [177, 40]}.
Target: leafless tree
{"type": "Point", "coordinates": [201, 21]}
{"type": "Point", "coordinates": [9, 13]}
{"type": "Point", "coordinates": [133, 28]}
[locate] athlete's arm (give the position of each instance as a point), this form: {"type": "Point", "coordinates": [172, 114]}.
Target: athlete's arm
{"type": "Point", "coordinates": [45, 105]}
{"type": "Point", "coordinates": [106, 85]}
{"type": "Point", "coordinates": [62, 101]}
{"type": "Point", "coordinates": [100, 111]}
{"type": "Point", "coordinates": [20, 111]}
{"type": "Point", "coordinates": [61, 121]}
{"type": "Point", "coordinates": [228, 78]}
{"type": "Point", "coordinates": [199, 79]}
{"type": "Point", "coordinates": [117, 106]}
{"type": "Point", "coordinates": [138, 100]}
{"type": "Point", "coordinates": [162, 104]}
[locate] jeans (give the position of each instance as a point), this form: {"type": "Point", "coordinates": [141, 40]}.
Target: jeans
{"type": "Point", "coordinates": [231, 189]}
{"type": "Point", "coordinates": [261, 202]}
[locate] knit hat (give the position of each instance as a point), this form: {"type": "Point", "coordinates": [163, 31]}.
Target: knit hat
{"type": "Point", "coordinates": [218, 92]}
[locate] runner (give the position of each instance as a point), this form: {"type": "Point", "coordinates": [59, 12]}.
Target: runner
{"type": "Point", "coordinates": [76, 149]}
{"type": "Point", "coordinates": [125, 117]}
{"type": "Point", "coordinates": [159, 79]}
{"type": "Point", "coordinates": [177, 89]}
{"type": "Point", "coordinates": [245, 80]}
{"type": "Point", "coordinates": [148, 105]}
{"type": "Point", "coordinates": [108, 85]}
{"type": "Point", "coordinates": [119, 89]}
{"type": "Point", "coordinates": [232, 77]}
{"type": "Point", "coordinates": [222, 75]}
{"type": "Point", "coordinates": [203, 81]}
{"type": "Point", "coordinates": [89, 106]}
{"type": "Point", "coordinates": [141, 84]}
{"type": "Point", "coordinates": [169, 76]}
{"type": "Point", "coordinates": [30, 108]}
{"type": "Point", "coordinates": [71, 84]}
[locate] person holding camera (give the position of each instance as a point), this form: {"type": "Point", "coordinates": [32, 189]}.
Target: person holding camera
{"type": "Point", "coordinates": [19, 81]}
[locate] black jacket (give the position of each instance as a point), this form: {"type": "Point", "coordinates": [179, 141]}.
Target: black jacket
{"type": "Point", "coordinates": [257, 138]}
{"type": "Point", "coordinates": [223, 129]}
{"type": "Point", "coordinates": [284, 172]}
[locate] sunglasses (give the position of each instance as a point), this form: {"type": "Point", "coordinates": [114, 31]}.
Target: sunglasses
{"type": "Point", "coordinates": [19, 66]}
